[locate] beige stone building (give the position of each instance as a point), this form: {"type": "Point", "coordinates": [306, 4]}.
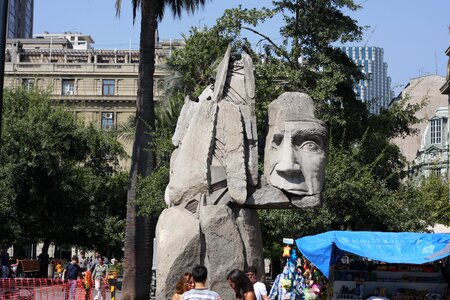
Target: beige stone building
{"type": "Point", "coordinates": [427, 151]}
{"type": "Point", "coordinates": [445, 89]}
{"type": "Point", "coordinates": [100, 86]}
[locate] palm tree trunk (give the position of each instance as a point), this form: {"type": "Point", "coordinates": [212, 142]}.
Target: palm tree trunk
{"type": "Point", "coordinates": [140, 230]}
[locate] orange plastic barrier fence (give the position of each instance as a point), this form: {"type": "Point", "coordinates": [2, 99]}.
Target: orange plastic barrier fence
{"type": "Point", "coordinates": [45, 289]}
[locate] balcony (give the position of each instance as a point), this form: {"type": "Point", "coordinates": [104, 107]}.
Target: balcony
{"type": "Point", "coordinates": [39, 69]}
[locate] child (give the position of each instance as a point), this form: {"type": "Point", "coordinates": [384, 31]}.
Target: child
{"type": "Point", "coordinates": [59, 270]}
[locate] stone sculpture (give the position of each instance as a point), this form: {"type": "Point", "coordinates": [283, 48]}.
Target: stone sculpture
{"type": "Point", "coordinates": [214, 185]}
{"type": "Point", "coordinates": [295, 152]}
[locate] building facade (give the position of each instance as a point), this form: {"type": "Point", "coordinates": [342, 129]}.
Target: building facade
{"type": "Point", "coordinates": [78, 40]}
{"type": "Point", "coordinates": [427, 151]}
{"type": "Point", "coordinates": [375, 88]}
{"type": "Point", "coordinates": [445, 90]}
{"type": "Point", "coordinates": [99, 86]}
{"type": "Point", "coordinates": [432, 156]}
{"type": "Point", "coordinates": [20, 19]}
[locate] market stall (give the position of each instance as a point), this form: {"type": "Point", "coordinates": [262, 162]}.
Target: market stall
{"type": "Point", "coordinates": [400, 266]}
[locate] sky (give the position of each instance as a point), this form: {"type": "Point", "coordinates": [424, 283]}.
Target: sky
{"type": "Point", "coordinates": [413, 33]}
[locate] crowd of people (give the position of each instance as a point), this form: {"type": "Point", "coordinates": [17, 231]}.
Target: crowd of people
{"type": "Point", "coordinates": [294, 283]}
{"type": "Point", "coordinates": [192, 286]}
{"type": "Point", "coordinates": [302, 282]}
{"type": "Point", "coordinates": [96, 269]}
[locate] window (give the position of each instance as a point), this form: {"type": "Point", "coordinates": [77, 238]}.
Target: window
{"type": "Point", "coordinates": [27, 84]}
{"type": "Point", "coordinates": [108, 87]}
{"type": "Point", "coordinates": [436, 131]}
{"type": "Point", "coordinates": [436, 172]}
{"type": "Point", "coordinates": [107, 120]}
{"type": "Point", "coordinates": [68, 87]}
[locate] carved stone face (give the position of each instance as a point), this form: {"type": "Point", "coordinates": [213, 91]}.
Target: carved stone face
{"type": "Point", "coordinates": [295, 153]}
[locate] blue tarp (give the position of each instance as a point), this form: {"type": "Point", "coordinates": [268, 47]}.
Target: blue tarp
{"type": "Point", "coordinates": [389, 247]}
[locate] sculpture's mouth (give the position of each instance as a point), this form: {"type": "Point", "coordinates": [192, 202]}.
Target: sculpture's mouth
{"type": "Point", "coordinates": [296, 191]}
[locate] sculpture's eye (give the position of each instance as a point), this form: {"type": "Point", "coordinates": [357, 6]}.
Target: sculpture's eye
{"type": "Point", "coordinates": [310, 146]}
{"type": "Point", "coordinates": [308, 143]}
{"type": "Point", "coordinates": [277, 140]}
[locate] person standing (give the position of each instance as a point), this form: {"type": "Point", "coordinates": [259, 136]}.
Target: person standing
{"type": "Point", "coordinates": [241, 285]}
{"type": "Point", "coordinates": [287, 285]}
{"type": "Point", "coordinates": [43, 259]}
{"type": "Point", "coordinates": [4, 264]}
{"type": "Point", "coordinates": [71, 274]}
{"type": "Point", "coordinates": [200, 292]}
{"type": "Point", "coordinates": [100, 276]}
{"type": "Point", "coordinates": [259, 287]}
{"type": "Point", "coordinates": [82, 261]}
{"type": "Point", "coordinates": [185, 283]}
{"type": "Point", "coordinates": [94, 262]}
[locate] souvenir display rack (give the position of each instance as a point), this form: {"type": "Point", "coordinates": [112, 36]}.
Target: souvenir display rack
{"type": "Point", "coordinates": [393, 281]}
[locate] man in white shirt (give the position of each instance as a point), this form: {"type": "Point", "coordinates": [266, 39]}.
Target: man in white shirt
{"type": "Point", "coordinates": [259, 287]}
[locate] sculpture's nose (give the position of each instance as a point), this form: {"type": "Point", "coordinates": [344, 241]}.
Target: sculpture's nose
{"type": "Point", "coordinates": [289, 162]}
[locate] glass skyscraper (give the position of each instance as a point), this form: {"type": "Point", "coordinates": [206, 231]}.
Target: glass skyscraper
{"type": "Point", "coordinates": [20, 19]}
{"type": "Point", "coordinates": [375, 88]}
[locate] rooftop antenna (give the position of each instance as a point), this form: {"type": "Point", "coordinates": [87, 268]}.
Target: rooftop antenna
{"type": "Point", "coordinates": [199, 21]}
{"type": "Point", "coordinates": [435, 61]}
{"type": "Point", "coordinates": [421, 71]}
{"type": "Point", "coordinates": [130, 52]}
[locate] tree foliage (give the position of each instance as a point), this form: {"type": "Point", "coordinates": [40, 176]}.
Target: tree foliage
{"type": "Point", "coordinates": [434, 195]}
{"type": "Point", "coordinates": [59, 178]}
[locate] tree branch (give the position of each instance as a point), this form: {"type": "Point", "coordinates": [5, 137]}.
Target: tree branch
{"type": "Point", "coordinates": [271, 42]}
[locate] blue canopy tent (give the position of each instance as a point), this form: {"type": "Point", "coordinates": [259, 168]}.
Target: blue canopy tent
{"type": "Point", "coordinates": [389, 247]}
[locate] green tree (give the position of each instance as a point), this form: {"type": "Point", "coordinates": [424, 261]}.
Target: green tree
{"type": "Point", "coordinates": [52, 169]}
{"type": "Point", "coordinates": [434, 196]}
{"type": "Point", "coordinates": [140, 229]}
{"type": "Point", "coordinates": [203, 46]}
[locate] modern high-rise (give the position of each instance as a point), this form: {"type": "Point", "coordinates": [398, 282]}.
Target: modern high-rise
{"type": "Point", "coordinates": [20, 19]}
{"type": "Point", "coordinates": [375, 88]}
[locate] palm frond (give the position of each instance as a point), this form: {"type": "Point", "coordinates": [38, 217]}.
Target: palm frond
{"type": "Point", "coordinates": [177, 7]}
{"type": "Point", "coordinates": [125, 131]}
{"type": "Point", "coordinates": [118, 7]}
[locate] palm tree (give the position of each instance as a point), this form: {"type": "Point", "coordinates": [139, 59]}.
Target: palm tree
{"type": "Point", "coordinates": [140, 230]}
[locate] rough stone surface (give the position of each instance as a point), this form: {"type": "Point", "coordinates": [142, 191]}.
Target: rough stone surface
{"type": "Point", "coordinates": [193, 156]}
{"type": "Point", "coordinates": [178, 249]}
{"type": "Point", "coordinates": [221, 77]}
{"type": "Point", "coordinates": [187, 111]}
{"type": "Point", "coordinates": [234, 151]}
{"type": "Point", "coordinates": [306, 201]}
{"type": "Point", "coordinates": [240, 90]}
{"type": "Point", "coordinates": [224, 246]}
{"type": "Point", "coordinates": [249, 229]}
{"type": "Point", "coordinates": [249, 115]}
{"type": "Point", "coordinates": [268, 197]}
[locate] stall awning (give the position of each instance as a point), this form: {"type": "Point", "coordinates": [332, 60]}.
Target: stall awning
{"type": "Point", "coordinates": [389, 247]}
